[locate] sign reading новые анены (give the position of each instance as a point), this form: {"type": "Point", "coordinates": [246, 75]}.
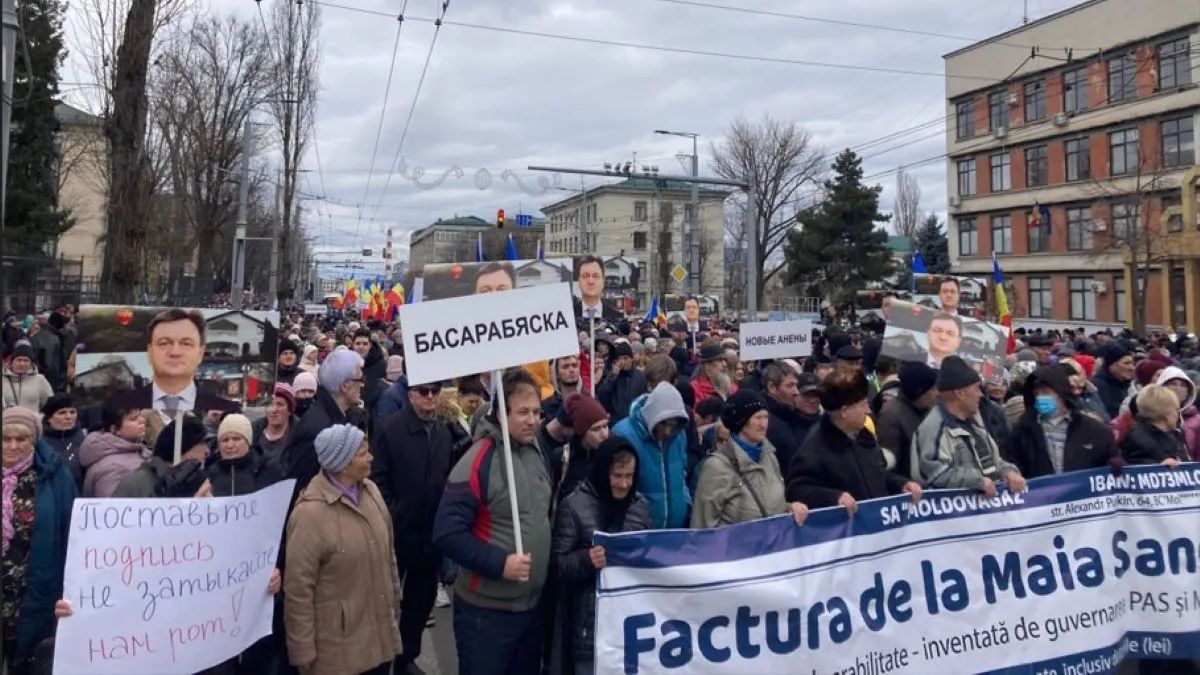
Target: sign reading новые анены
{"type": "Point", "coordinates": [444, 339]}
{"type": "Point", "coordinates": [168, 585]}
{"type": "Point", "coordinates": [762, 340]}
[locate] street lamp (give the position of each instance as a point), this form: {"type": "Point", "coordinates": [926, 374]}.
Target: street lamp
{"type": "Point", "coordinates": [691, 226]}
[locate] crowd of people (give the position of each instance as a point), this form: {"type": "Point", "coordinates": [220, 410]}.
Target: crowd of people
{"type": "Point", "coordinates": [402, 498]}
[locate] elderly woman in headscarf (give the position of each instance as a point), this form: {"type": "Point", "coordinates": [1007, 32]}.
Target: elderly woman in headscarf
{"type": "Point", "coordinates": [36, 514]}
{"type": "Point", "coordinates": [342, 589]}
{"type": "Point", "coordinates": [308, 362]}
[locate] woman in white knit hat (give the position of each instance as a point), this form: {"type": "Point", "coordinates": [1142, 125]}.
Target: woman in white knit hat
{"type": "Point", "coordinates": [340, 555]}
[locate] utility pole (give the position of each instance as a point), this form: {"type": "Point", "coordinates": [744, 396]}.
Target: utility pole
{"type": "Point", "coordinates": [273, 278]}
{"type": "Point", "coordinates": [752, 253]}
{"type": "Point", "coordinates": [690, 244]}
{"type": "Point", "coordinates": [237, 279]}
{"type": "Point", "coordinates": [8, 64]}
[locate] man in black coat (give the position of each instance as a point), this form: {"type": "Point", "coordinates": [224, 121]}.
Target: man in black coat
{"type": "Point", "coordinates": [340, 388]}
{"type": "Point", "coordinates": [900, 417]}
{"type": "Point", "coordinates": [412, 453]}
{"type": "Point", "coordinates": [622, 384]}
{"type": "Point", "coordinates": [374, 366]}
{"type": "Point", "coordinates": [1058, 438]}
{"type": "Point", "coordinates": [787, 426]}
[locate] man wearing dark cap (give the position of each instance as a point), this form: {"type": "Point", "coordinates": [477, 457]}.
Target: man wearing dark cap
{"type": "Point", "coordinates": [622, 384]}
{"type": "Point", "coordinates": [849, 360]}
{"type": "Point", "coordinates": [1040, 344]}
{"type": "Point", "coordinates": [1113, 376]}
{"type": "Point", "coordinates": [899, 418]}
{"type": "Point", "coordinates": [712, 375]}
{"type": "Point", "coordinates": [953, 447]}
{"type": "Point", "coordinates": [288, 361]}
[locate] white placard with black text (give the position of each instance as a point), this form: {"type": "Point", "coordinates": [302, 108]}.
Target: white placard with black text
{"type": "Point", "coordinates": [450, 338]}
{"type": "Point", "coordinates": [764, 340]}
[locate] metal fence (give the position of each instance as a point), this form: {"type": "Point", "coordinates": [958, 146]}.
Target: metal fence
{"type": "Point", "coordinates": [29, 284]}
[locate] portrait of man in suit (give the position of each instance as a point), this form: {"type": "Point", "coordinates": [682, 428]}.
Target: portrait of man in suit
{"type": "Point", "coordinates": [175, 341]}
{"type": "Point", "coordinates": [589, 276]}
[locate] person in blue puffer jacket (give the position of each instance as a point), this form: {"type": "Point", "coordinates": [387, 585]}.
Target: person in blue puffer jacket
{"type": "Point", "coordinates": [655, 426]}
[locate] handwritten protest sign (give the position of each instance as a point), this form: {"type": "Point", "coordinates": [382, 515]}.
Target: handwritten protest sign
{"type": "Point", "coordinates": [168, 585]}
{"type": "Point", "coordinates": [763, 340]}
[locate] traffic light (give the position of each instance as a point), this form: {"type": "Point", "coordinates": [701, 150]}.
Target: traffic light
{"type": "Point", "coordinates": [500, 219]}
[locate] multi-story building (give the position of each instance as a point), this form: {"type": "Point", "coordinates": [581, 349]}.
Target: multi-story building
{"type": "Point", "coordinates": [642, 218]}
{"type": "Point", "coordinates": [83, 187]}
{"type": "Point", "coordinates": [1066, 139]}
{"type": "Point", "coordinates": [455, 240]}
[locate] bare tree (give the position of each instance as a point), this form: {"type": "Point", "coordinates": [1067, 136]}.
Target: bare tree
{"type": "Point", "coordinates": [207, 83]}
{"type": "Point", "coordinates": [296, 57]}
{"type": "Point", "coordinates": [781, 160]}
{"type": "Point", "coordinates": [906, 212]}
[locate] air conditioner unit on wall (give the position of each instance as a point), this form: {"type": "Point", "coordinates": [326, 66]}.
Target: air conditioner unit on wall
{"type": "Point", "coordinates": [1061, 120]}
{"type": "Point", "coordinates": [956, 201]}
{"type": "Point", "coordinates": [1099, 287]}
{"type": "Point", "coordinates": [1099, 225]}
{"type": "Point", "coordinates": [999, 132]}
{"type": "Point", "coordinates": [1013, 99]}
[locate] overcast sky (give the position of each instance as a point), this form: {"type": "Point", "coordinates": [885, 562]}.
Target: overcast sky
{"type": "Point", "coordinates": [501, 101]}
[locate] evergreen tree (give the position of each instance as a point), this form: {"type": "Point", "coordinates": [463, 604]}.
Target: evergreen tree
{"type": "Point", "coordinates": [930, 239]}
{"type": "Point", "coordinates": [31, 216]}
{"type": "Point", "coordinates": [838, 248]}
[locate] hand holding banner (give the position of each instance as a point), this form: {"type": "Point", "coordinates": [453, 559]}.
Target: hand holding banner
{"type": "Point", "coordinates": [168, 585]}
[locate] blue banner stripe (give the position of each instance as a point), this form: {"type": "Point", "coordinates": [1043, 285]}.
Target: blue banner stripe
{"type": "Point", "coordinates": [1106, 659]}
{"type": "Point", "coordinates": [879, 553]}
{"type": "Point", "coordinates": [729, 544]}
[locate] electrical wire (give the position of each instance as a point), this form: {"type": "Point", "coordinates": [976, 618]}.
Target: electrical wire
{"type": "Point", "coordinates": [387, 90]}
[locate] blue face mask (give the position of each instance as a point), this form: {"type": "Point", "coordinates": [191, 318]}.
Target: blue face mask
{"type": "Point", "coordinates": [1045, 404]}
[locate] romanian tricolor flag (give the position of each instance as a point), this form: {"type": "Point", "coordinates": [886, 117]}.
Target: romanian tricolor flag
{"type": "Point", "coordinates": [394, 298]}
{"type": "Point", "coordinates": [338, 301]}
{"type": "Point", "coordinates": [350, 294]}
{"type": "Point", "coordinates": [1002, 310]}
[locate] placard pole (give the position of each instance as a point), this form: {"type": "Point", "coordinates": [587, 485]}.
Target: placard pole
{"type": "Point", "coordinates": [498, 380]}
{"type": "Point", "coordinates": [592, 361]}
{"type": "Point", "coordinates": [179, 435]}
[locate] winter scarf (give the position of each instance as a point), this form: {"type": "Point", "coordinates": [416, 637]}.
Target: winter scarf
{"type": "Point", "coordinates": [11, 475]}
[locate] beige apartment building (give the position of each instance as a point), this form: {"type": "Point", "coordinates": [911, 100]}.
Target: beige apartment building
{"type": "Point", "coordinates": [82, 187]}
{"type": "Point", "coordinates": [642, 218]}
{"type": "Point", "coordinates": [455, 240]}
{"type": "Point", "coordinates": [1067, 140]}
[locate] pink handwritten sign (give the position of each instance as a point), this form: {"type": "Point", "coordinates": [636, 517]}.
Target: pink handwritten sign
{"type": "Point", "coordinates": [168, 585]}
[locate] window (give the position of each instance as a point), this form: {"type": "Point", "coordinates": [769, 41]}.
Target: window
{"type": "Point", "coordinates": [1036, 173]}
{"type": "Point", "coordinates": [1035, 100]}
{"type": "Point", "coordinates": [997, 115]}
{"type": "Point", "coordinates": [1175, 220]}
{"type": "Point", "coordinates": [1178, 142]}
{"type": "Point", "coordinates": [1079, 229]}
{"type": "Point", "coordinates": [1118, 294]}
{"type": "Point", "coordinates": [1001, 164]}
{"type": "Point", "coordinates": [639, 241]}
{"type": "Point", "coordinates": [687, 212]}
{"type": "Point", "coordinates": [1174, 64]}
{"type": "Point", "coordinates": [1122, 73]}
{"type": "Point", "coordinates": [1079, 159]}
{"type": "Point", "coordinates": [966, 177]}
{"type": "Point", "coordinates": [591, 213]}
{"type": "Point", "coordinates": [639, 210]}
{"type": "Point", "coordinates": [1124, 219]}
{"type": "Point", "coordinates": [1039, 297]}
{"type": "Point", "coordinates": [1083, 299]}
{"type": "Point", "coordinates": [1039, 234]}
{"type": "Point", "coordinates": [1123, 151]}
{"type": "Point", "coordinates": [664, 241]}
{"type": "Point", "coordinates": [1002, 234]}
{"type": "Point", "coordinates": [1074, 84]}
{"type": "Point", "coordinates": [968, 237]}
{"type": "Point", "coordinates": [641, 270]}
{"type": "Point", "coordinates": [964, 116]}
{"type": "Point", "coordinates": [666, 212]}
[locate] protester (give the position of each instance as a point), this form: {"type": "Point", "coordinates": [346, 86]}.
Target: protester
{"type": "Point", "coordinates": [1155, 437]}
{"type": "Point", "coordinates": [394, 397]}
{"type": "Point", "coordinates": [589, 424]}
{"type": "Point", "coordinates": [36, 512]}
{"type": "Point", "coordinates": [788, 425]}
{"type": "Point", "coordinates": [160, 475]}
{"type": "Point", "coordinates": [566, 380]}
{"type": "Point", "coordinates": [952, 446]}
{"type": "Point", "coordinates": [1189, 418]}
{"type": "Point", "coordinates": [412, 453]}
{"type": "Point", "coordinates": [886, 385]}
{"type": "Point", "coordinates": [110, 453]}
{"type": "Point", "coordinates": [606, 501]}
{"type": "Point", "coordinates": [287, 361]}
{"type": "Point", "coordinates": [308, 362]}
{"type": "Point", "coordinates": [1083, 390]}
{"type": "Point", "coordinates": [623, 383]}
{"type": "Point", "coordinates": [305, 389]}
{"type": "Point", "coordinates": [497, 622]}
{"type": "Point", "coordinates": [656, 428]}
{"type": "Point", "coordinates": [51, 354]}
{"type": "Point", "coordinates": [712, 376]}
{"type": "Point", "coordinates": [1053, 436]}
{"type": "Point", "coordinates": [272, 431]}
{"type": "Point", "coordinates": [471, 395]}
{"type": "Point", "coordinates": [1113, 378]}
{"type": "Point", "coordinates": [374, 367]}
{"type": "Point", "coordinates": [62, 432]}
{"type": "Point", "coordinates": [741, 480]}
{"type": "Point", "coordinates": [840, 463]}
{"type": "Point", "coordinates": [342, 589]}
{"type": "Point", "coordinates": [341, 386]}
{"type": "Point", "coordinates": [23, 385]}
{"type": "Point", "coordinates": [901, 417]}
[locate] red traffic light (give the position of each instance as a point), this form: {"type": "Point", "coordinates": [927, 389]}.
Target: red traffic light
{"type": "Point", "coordinates": [500, 218]}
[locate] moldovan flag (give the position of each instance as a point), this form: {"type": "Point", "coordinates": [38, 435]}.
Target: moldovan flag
{"type": "Point", "coordinates": [1002, 304]}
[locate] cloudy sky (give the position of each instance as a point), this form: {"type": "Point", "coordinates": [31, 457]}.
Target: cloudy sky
{"type": "Point", "coordinates": [497, 101]}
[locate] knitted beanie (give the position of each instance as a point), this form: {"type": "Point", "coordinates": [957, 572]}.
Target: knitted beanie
{"type": "Point", "coordinates": [284, 391]}
{"type": "Point", "coordinates": [740, 407]}
{"type": "Point", "coordinates": [584, 412]}
{"type": "Point", "coordinates": [18, 416]}
{"type": "Point", "coordinates": [956, 374]}
{"type": "Point", "coordinates": [235, 424]}
{"type": "Point", "coordinates": [337, 445]}
{"type": "Point", "coordinates": [304, 381]}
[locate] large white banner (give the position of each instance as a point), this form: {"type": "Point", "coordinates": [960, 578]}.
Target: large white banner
{"type": "Point", "coordinates": [168, 585]}
{"type": "Point", "coordinates": [449, 338]}
{"type": "Point", "coordinates": [768, 340]}
{"type": "Point", "coordinates": [1078, 573]}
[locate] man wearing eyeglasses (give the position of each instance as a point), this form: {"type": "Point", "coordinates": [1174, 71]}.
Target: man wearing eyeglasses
{"type": "Point", "coordinates": [340, 388]}
{"type": "Point", "coordinates": [413, 451]}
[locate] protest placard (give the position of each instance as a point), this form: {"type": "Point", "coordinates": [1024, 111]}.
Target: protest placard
{"type": "Point", "coordinates": [1074, 575]}
{"type": "Point", "coordinates": [168, 585]}
{"type": "Point", "coordinates": [766, 340]}
{"type": "Point", "coordinates": [918, 333]}
{"type": "Point", "coordinates": [444, 339]}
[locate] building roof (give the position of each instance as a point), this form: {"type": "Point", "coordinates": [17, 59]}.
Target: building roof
{"type": "Point", "coordinates": [1037, 22]}
{"type": "Point", "coordinates": [69, 115]}
{"type": "Point", "coordinates": [640, 184]}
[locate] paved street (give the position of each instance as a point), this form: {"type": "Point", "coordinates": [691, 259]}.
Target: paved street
{"type": "Point", "coordinates": [437, 646]}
